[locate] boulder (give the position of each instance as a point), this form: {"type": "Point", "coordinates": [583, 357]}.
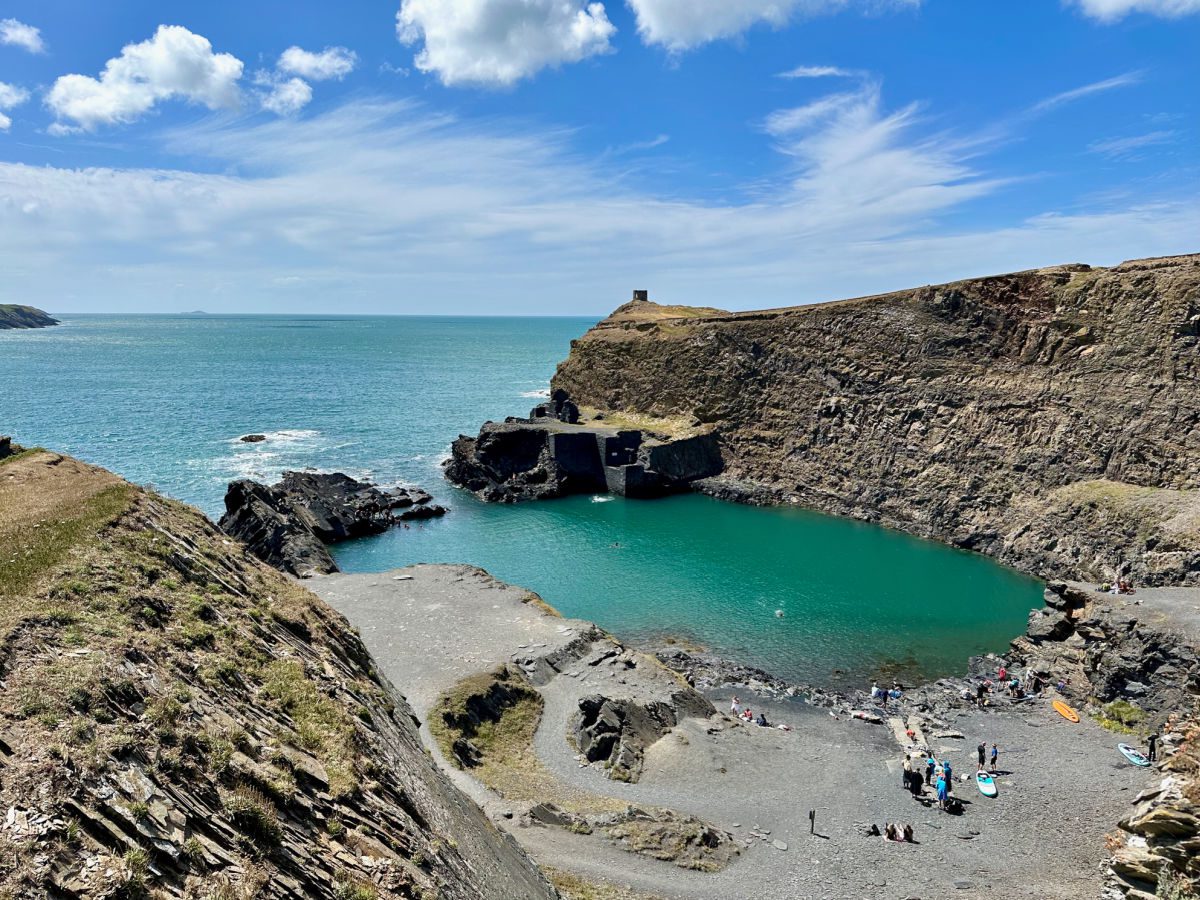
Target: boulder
{"type": "Point", "coordinates": [1048, 625]}
{"type": "Point", "coordinates": [252, 438]}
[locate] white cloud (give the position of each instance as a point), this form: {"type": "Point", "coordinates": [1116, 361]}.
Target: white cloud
{"type": "Point", "coordinates": [1127, 147]}
{"type": "Point", "coordinates": [370, 202]}
{"type": "Point", "coordinates": [11, 95]}
{"type": "Point", "coordinates": [1113, 10]}
{"type": "Point", "coordinates": [499, 42]}
{"type": "Point", "coordinates": [681, 24]}
{"type": "Point", "coordinates": [817, 72]}
{"type": "Point", "coordinates": [18, 34]}
{"type": "Point", "coordinates": [175, 63]}
{"type": "Point", "coordinates": [332, 62]}
{"type": "Point", "coordinates": [285, 97]}
{"type": "Point", "coordinates": [1087, 90]}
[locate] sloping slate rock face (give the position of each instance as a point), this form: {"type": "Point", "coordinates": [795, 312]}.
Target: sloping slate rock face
{"type": "Point", "coordinates": [260, 517]}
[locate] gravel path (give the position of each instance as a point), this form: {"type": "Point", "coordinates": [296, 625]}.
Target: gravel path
{"type": "Point", "coordinates": [1064, 786]}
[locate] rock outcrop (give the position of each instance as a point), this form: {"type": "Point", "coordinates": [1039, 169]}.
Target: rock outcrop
{"type": "Point", "coordinates": [1158, 847]}
{"type": "Point", "coordinates": [14, 316]}
{"type": "Point", "coordinates": [1048, 418]}
{"type": "Point", "coordinates": [179, 720]}
{"type": "Point", "coordinates": [288, 525]}
{"type": "Point", "coordinates": [8, 448]}
{"type": "Point", "coordinates": [550, 455]}
{"type": "Point", "coordinates": [617, 732]}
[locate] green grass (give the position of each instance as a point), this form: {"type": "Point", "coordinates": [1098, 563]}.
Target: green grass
{"type": "Point", "coordinates": [1121, 717]}
{"type": "Point", "coordinates": [21, 454]}
{"type": "Point", "coordinates": [322, 726]}
{"type": "Point", "coordinates": [26, 554]}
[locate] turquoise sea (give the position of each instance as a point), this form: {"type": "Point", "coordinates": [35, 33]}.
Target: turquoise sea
{"type": "Point", "coordinates": [163, 399]}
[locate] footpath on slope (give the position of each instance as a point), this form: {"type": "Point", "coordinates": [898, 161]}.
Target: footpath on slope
{"type": "Point", "coordinates": [1062, 786]}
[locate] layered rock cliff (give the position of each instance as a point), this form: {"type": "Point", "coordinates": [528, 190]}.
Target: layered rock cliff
{"type": "Point", "coordinates": [14, 316]}
{"type": "Point", "coordinates": [178, 719]}
{"type": "Point", "coordinates": [1049, 418]}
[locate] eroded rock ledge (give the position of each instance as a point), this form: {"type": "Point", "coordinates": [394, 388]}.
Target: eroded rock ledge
{"type": "Point", "coordinates": [288, 525]}
{"type": "Point", "coordinates": [551, 454]}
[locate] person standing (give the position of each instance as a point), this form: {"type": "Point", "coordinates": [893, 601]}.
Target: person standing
{"type": "Point", "coordinates": [949, 775]}
{"type": "Point", "coordinates": [982, 749]}
{"type": "Point", "coordinates": [735, 707]}
{"type": "Point", "coordinates": [995, 755]}
{"type": "Point", "coordinates": [1002, 674]}
{"type": "Point", "coordinates": [930, 765]}
{"type": "Point", "coordinates": [941, 793]}
{"type": "Point", "coordinates": [1152, 743]}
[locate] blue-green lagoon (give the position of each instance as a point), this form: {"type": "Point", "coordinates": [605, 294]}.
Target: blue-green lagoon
{"type": "Point", "coordinates": [163, 399]}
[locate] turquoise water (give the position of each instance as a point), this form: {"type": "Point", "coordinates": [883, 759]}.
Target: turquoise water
{"type": "Point", "coordinates": [162, 400]}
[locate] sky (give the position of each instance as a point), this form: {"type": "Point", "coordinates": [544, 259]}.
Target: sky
{"type": "Point", "coordinates": [549, 156]}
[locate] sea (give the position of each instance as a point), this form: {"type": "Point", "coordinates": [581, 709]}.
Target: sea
{"type": "Point", "coordinates": [163, 400]}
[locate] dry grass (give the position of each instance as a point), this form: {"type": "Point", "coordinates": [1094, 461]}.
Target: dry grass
{"type": "Point", "coordinates": [508, 763]}
{"type": "Point", "coordinates": [576, 887]}
{"type": "Point", "coordinates": [1151, 510]}
{"type": "Point", "coordinates": [672, 428]}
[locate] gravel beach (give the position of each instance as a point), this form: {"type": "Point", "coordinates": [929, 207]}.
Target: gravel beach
{"type": "Point", "coordinates": [1062, 787]}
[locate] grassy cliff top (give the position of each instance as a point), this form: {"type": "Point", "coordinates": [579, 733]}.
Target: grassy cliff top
{"type": "Point", "coordinates": [14, 316]}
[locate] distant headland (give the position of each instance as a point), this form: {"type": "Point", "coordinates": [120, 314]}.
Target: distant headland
{"type": "Point", "coordinates": [14, 316]}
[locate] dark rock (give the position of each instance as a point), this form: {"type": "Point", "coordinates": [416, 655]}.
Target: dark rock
{"type": "Point", "coordinates": [548, 456]}
{"type": "Point", "coordinates": [8, 448]}
{"type": "Point", "coordinates": [14, 316]}
{"type": "Point", "coordinates": [1048, 625]}
{"type": "Point", "coordinates": [252, 438]}
{"type": "Point", "coordinates": [288, 524]}
{"type": "Point", "coordinates": [257, 516]}
{"type": "Point", "coordinates": [617, 732]}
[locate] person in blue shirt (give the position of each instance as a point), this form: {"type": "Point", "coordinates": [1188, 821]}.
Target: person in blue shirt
{"type": "Point", "coordinates": [995, 753]}
{"type": "Point", "coordinates": [949, 776]}
{"type": "Point", "coordinates": [942, 793]}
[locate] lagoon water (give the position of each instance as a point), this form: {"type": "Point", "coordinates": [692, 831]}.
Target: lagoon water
{"type": "Point", "coordinates": [163, 399]}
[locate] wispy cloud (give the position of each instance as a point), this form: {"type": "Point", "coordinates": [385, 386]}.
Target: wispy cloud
{"type": "Point", "coordinates": [818, 72]}
{"type": "Point", "coordinates": [1108, 11]}
{"type": "Point", "coordinates": [641, 146]}
{"type": "Point", "coordinates": [1124, 147]}
{"type": "Point", "coordinates": [1087, 90]}
{"type": "Point", "coordinates": [390, 200]}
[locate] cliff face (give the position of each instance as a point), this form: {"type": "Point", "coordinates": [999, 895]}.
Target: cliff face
{"type": "Point", "coordinates": [1049, 418]}
{"type": "Point", "coordinates": [13, 316]}
{"type": "Point", "coordinates": [177, 719]}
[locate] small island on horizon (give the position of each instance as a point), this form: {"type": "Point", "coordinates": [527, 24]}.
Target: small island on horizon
{"type": "Point", "coordinates": [13, 315]}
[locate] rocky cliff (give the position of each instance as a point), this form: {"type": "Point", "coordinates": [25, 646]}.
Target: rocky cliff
{"type": "Point", "coordinates": [178, 719]}
{"type": "Point", "coordinates": [14, 316]}
{"type": "Point", "coordinates": [1048, 418]}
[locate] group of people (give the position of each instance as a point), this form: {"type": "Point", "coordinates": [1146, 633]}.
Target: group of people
{"type": "Point", "coordinates": [883, 696]}
{"type": "Point", "coordinates": [747, 715]}
{"type": "Point", "coordinates": [1030, 684]}
{"type": "Point", "coordinates": [939, 775]}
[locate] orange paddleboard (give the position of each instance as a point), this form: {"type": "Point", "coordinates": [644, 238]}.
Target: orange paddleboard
{"type": "Point", "coordinates": [1065, 711]}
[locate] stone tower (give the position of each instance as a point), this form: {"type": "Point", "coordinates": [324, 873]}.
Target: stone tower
{"type": "Point", "coordinates": [641, 296]}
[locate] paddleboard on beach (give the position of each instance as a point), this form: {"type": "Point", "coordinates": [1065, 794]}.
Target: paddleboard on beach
{"type": "Point", "coordinates": [1065, 711]}
{"type": "Point", "coordinates": [1133, 755]}
{"type": "Point", "coordinates": [987, 785]}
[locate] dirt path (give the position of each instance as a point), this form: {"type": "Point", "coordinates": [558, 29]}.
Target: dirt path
{"type": "Point", "coordinates": [1064, 785]}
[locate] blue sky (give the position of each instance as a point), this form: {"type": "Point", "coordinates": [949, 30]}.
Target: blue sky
{"type": "Point", "coordinates": [546, 156]}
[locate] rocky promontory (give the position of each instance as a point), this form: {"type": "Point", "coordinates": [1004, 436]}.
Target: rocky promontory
{"type": "Point", "coordinates": [1047, 418]}
{"type": "Point", "coordinates": [14, 316]}
{"type": "Point", "coordinates": [288, 525]}
{"type": "Point", "coordinates": [553, 454]}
